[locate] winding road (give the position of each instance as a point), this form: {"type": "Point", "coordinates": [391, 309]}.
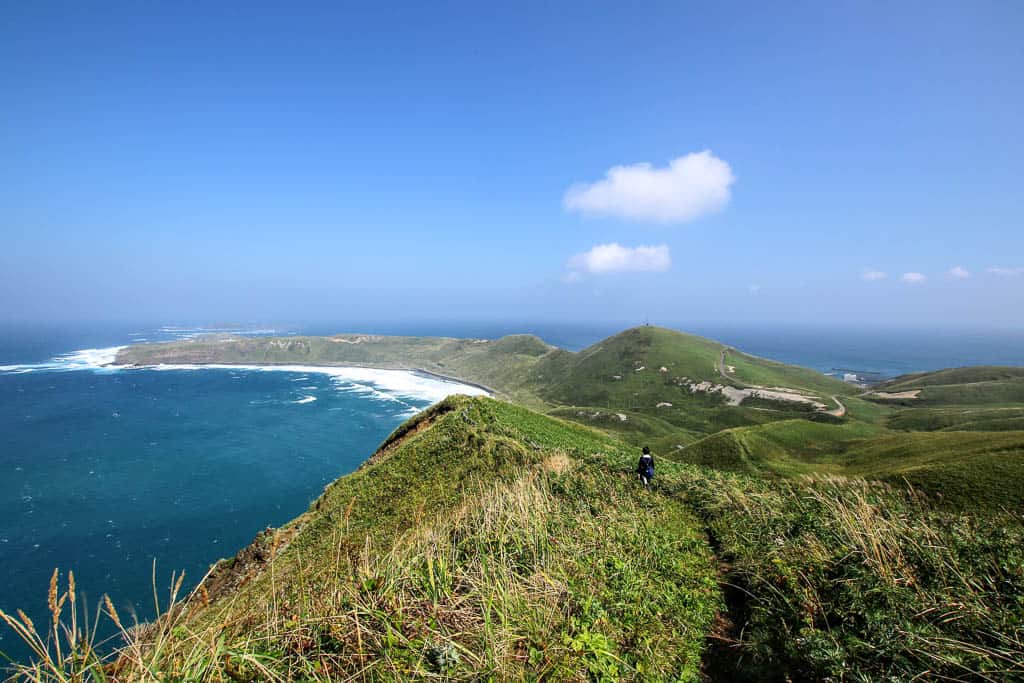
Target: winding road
{"type": "Point", "coordinates": [839, 411]}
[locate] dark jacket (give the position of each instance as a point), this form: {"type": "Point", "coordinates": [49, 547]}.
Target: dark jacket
{"type": "Point", "coordinates": [646, 464]}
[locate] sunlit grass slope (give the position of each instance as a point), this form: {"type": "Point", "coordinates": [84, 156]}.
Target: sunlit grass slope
{"type": "Point", "coordinates": [484, 541]}
{"type": "Point", "coordinates": [768, 373]}
{"type": "Point", "coordinates": [785, 448]}
{"type": "Point", "coordinates": [959, 418]}
{"type": "Point", "coordinates": [967, 470]}
{"type": "Point", "coordinates": [972, 386]}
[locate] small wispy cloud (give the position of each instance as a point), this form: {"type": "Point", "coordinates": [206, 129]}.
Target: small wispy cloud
{"type": "Point", "coordinates": [872, 275]}
{"type": "Point", "coordinates": [690, 186]}
{"type": "Point", "coordinates": [615, 258]}
{"type": "Point", "coordinates": [1006, 272]}
{"type": "Point", "coordinates": [753, 289]}
{"type": "Point", "coordinates": [913, 278]}
{"type": "Point", "coordinates": [958, 273]}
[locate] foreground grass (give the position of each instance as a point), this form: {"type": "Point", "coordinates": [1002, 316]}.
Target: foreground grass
{"type": "Point", "coordinates": [488, 542]}
{"type": "Point", "coordinates": [484, 541]}
{"type": "Point", "coordinates": [844, 579]}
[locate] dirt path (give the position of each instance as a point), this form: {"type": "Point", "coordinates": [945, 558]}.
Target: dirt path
{"type": "Point", "coordinates": [838, 412]}
{"type": "Point", "coordinates": [726, 375]}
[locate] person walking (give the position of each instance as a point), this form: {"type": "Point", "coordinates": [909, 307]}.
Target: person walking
{"type": "Point", "coordinates": [645, 468]}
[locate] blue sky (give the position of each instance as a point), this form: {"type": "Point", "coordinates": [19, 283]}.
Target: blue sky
{"type": "Point", "coordinates": [811, 163]}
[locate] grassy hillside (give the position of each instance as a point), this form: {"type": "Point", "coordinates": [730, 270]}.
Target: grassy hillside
{"type": "Point", "coordinates": [968, 470]}
{"type": "Point", "coordinates": [974, 386]}
{"type": "Point", "coordinates": [785, 448]}
{"type": "Point", "coordinates": [484, 541]}
{"type": "Point", "coordinates": [960, 418]}
{"type": "Point", "coordinates": [964, 470]}
{"type": "Point", "coordinates": [648, 373]}
{"type": "Point", "coordinates": [966, 375]}
{"type": "Point", "coordinates": [749, 369]}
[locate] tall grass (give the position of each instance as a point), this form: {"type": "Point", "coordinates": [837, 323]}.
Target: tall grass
{"type": "Point", "coordinates": [562, 571]}
{"type": "Point", "coordinates": [849, 579]}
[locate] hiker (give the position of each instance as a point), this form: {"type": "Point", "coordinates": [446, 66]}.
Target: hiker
{"type": "Point", "coordinates": [645, 468]}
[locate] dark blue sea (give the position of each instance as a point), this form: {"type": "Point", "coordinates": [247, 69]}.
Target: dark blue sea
{"type": "Point", "coordinates": [105, 472]}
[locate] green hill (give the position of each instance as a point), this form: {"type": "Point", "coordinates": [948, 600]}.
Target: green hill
{"type": "Point", "coordinates": [958, 418]}
{"type": "Point", "coordinates": [484, 541]}
{"type": "Point", "coordinates": [965, 470]}
{"type": "Point", "coordinates": [785, 448]}
{"type": "Point", "coordinates": [973, 386]}
{"type": "Point", "coordinates": [676, 382]}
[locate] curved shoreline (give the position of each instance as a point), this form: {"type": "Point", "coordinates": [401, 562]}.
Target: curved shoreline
{"type": "Point", "coordinates": [309, 367]}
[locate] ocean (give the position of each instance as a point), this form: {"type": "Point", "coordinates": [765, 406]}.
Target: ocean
{"type": "Point", "coordinates": [106, 471]}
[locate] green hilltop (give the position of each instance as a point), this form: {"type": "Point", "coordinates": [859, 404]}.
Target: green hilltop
{"type": "Point", "coordinates": [798, 528]}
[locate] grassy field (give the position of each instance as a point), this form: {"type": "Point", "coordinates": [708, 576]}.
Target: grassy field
{"type": "Point", "coordinates": [786, 448]}
{"type": "Point", "coordinates": [960, 418]}
{"type": "Point", "coordinates": [990, 386]}
{"type": "Point", "coordinates": [484, 541]}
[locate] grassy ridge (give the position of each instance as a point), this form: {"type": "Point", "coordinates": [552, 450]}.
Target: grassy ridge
{"type": "Point", "coordinates": [483, 541]}
{"type": "Point", "coordinates": [488, 542]}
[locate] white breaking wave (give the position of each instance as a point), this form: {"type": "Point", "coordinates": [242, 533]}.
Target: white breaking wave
{"type": "Point", "coordinates": [386, 385]}
{"type": "Point", "coordinates": [83, 359]}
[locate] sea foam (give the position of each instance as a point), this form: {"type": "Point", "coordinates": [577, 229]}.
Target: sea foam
{"type": "Point", "coordinates": [83, 359]}
{"type": "Point", "coordinates": [388, 385]}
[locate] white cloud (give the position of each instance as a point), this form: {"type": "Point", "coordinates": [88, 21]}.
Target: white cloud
{"type": "Point", "coordinates": [1006, 272]}
{"type": "Point", "coordinates": [913, 278]}
{"type": "Point", "coordinates": [614, 258]}
{"type": "Point", "coordinates": [753, 289]}
{"type": "Point", "coordinates": [958, 273]}
{"type": "Point", "coordinates": [689, 187]}
{"type": "Point", "coordinates": [872, 275]}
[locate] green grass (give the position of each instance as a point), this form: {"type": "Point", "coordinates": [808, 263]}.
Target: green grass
{"type": "Point", "coordinates": [964, 418]}
{"type": "Point", "coordinates": [485, 541]}
{"type": "Point", "coordinates": [769, 373]}
{"type": "Point", "coordinates": [967, 470]}
{"type": "Point", "coordinates": [991, 386]}
{"type": "Point", "coordinates": [962, 470]}
{"type": "Point", "coordinates": [785, 448]}
{"type": "Point", "coordinates": [966, 375]}
{"type": "Point", "coordinates": [844, 579]}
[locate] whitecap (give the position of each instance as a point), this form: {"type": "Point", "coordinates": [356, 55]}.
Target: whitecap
{"type": "Point", "coordinates": [305, 399]}
{"type": "Point", "coordinates": [390, 385]}
{"type": "Point", "coordinates": [82, 359]}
